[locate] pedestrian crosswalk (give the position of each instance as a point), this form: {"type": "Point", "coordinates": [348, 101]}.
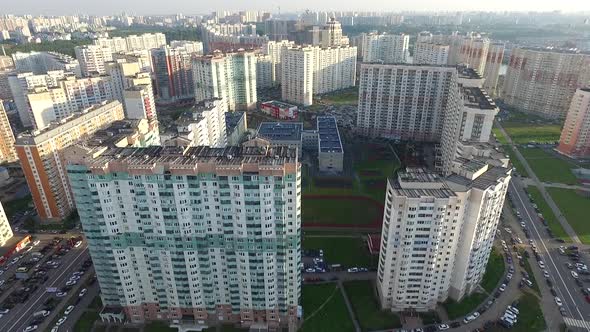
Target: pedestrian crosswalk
{"type": "Point", "coordinates": [577, 323]}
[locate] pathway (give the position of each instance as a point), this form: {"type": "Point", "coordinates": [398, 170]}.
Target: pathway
{"type": "Point", "coordinates": [529, 182]}
{"type": "Point", "coordinates": [357, 327]}
{"type": "Point", "coordinates": [566, 226]}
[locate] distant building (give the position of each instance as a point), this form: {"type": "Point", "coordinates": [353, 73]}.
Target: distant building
{"type": "Point", "coordinates": [42, 62]}
{"type": "Point", "coordinates": [493, 65]}
{"type": "Point", "coordinates": [146, 41]}
{"type": "Point", "coordinates": [264, 71]}
{"type": "Point", "coordinates": [278, 134]}
{"type": "Point", "coordinates": [385, 48]}
{"type": "Point", "coordinates": [575, 135]}
{"type": "Point", "coordinates": [429, 53]}
{"type": "Point", "coordinates": [279, 110]}
{"type": "Point", "coordinates": [92, 59]}
{"type": "Point", "coordinates": [173, 73]}
{"type": "Point", "coordinates": [274, 51]}
{"type": "Point", "coordinates": [230, 76]}
{"type": "Point", "coordinates": [543, 81]}
{"type": "Point", "coordinates": [39, 153]}
{"type": "Point", "coordinates": [140, 103]}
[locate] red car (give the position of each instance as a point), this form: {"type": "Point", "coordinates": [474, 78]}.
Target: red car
{"type": "Point", "coordinates": [587, 297]}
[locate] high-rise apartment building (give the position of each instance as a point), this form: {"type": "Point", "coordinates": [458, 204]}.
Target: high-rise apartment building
{"type": "Point", "coordinates": [314, 70]}
{"type": "Point", "coordinates": [6, 63]}
{"type": "Point", "coordinates": [297, 66]}
{"type": "Point", "coordinates": [173, 73]}
{"type": "Point", "coordinates": [474, 52]}
{"type": "Point", "coordinates": [437, 234]}
{"type": "Point", "coordinates": [335, 37]}
{"type": "Point", "coordinates": [431, 53]}
{"type": "Point", "coordinates": [67, 96]}
{"type": "Point", "coordinates": [203, 125]}
{"type": "Point", "coordinates": [191, 46]}
{"type": "Point", "coordinates": [145, 41]}
{"type": "Point", "coordinates": [5, 229]}
{"type": "Point", "coordinates": [7, 151]}
{"type": "Point", "coordinates": [230, 76]}
{"type": "Point", "coordinates": [40, 155]}
{"type": "Point", "coordinates": [264, 71]}
{"type": "Point", "coordinates": [194, 233]}
{"type": "Point", "coordinates": [41, 62]}
{"type": "Point", "coordinates": [273, 50]}
{"type": "Point", "coordinates": [575, 135]}
{"type": "Point", "coordinates": [92, 59]}
{"type": "Point", "coordinates": [385, 48]}
{"type": "Point", "coordinates": [493, 65]}
{"type": "Point", "coordinates": [543, 81]}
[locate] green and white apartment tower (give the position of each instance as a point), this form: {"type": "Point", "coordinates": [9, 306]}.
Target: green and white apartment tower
{"type": "Point", "coordinates": [194, 236]}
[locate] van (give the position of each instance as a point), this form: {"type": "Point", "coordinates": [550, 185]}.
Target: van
{"type": "Point", "coordinates": [42, 313]}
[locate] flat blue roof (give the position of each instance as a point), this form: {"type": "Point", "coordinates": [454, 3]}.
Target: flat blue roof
{"type": "Point", "coordinates": [281, 131]}
{"type": "Point", "coordinates": [328, 135]}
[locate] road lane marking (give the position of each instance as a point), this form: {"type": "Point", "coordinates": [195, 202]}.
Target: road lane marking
{"type": "Point", "coordinates": [30, 307]}
{"type": "Point", "coordinates": [549, 255]}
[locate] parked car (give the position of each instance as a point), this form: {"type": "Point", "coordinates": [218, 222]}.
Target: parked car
{"type": "Point", "coordinates": [69, 309]}
{"type": "Point", "coordinates": [558, 301]}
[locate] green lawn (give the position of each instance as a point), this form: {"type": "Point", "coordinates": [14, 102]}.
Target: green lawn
{"type": "Point", "coordinates": [494, 271]}
{"type": "Point", "coordinates": [549, 168]}
{"type": "Point", "coordinates": [515, 161]}
{"type": "Point", "coordinates": [467, 305]}
{"type": "Point", "coordinates": [576, 210]}
{"type": "Point", "coordinates": [317, 210]}
{"type": "Point", "coordinates": [530, 318]}
{"type": "Point", "coordinates": [326, 304]}
{"type": "Point", "coordinates": [499, 136]}
{"type": "Point", "coordinates": [158, 327]}
{"type": "Point", "coordinates": [84, 324]}
{"type": "Point", "coordinates": [526, 128]}
{"type": "Point", "coordinates": [345, 97]}
{"type": "Point", "coordinates": [366, 307]}
{"type": "Point", "coordinates": [348, 251]}
{"type": "Point", "coordinates": [548, 214]}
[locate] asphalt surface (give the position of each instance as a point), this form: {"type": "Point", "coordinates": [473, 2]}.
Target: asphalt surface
{"type": "Point", "coordinates": [19, 317]}
{"type": "Point", "coordinates": [577, 309]}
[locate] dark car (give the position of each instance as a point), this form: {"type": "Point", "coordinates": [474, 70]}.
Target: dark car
{"type": "Point", "coordinates": [553, 292]}
{"type": "Point", "coordinates": [454, 324]}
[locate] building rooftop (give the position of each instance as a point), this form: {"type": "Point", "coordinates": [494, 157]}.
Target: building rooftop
{"type": "Point", "coordinates": [468, 73]}
{"type": "Point", "coordinates": [232, 119]}
{"type": "Point", "coordinates": [113, 134]}
{"type": "Point", "coordinates": [440, 192]}
{"type": "Point", "coordinates": [278, 104]}
{"type": "Point", "coordinates": [556, 50]}
{"type": "Point", "coordinates": [487, 179]}
{"type": "Point", "coordinates": [281, 131]}
{"type": "Point", "coordinates": [159, 159]}
{"type": "Point", "coordinates": [328, 135]}
{"type": "Point", "coordinates": [477, 98]}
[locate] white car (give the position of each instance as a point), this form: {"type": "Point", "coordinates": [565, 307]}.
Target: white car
{"type": "Point", "coordinates": [513, 309]}
{"type": "Point", "coordinates": [546, 274]}
{"type": "Point", "coordinates": [509, 276]}
{"type": "Point", "coordinates": [83, 292]}
{"type": "Point", "coordinates": [75, 277]}
{"type": "Point", "coordinates": [61, 294]}
{"type": "Point", "coordinates": [558, 301]}
{"type": "Point", "coordinates": [68, 310]}
{"type": "Point", "coordinates": [510, 314]}
{"type": "Point", "coordinates": [353, 270]}
{"type": "Point", "coordinates": [471, 318]}
{"type": "Point", "coordinates": [4, 311]}
{"type": "Point", "coordinates": [36, 242]}
{"type": "Point", "coordinates": [55, 328]}
{"type": "Point", "coordinates": [61, 320]}
{"type": "Point", "coordinates": [443, 327]}
{"type": "Point", "coordinates": [518, 240]}
{"type": "Point", "coordinates": [71, 282]}
{"type": "Point", "coordinates": [502, 287]}
{"type": "Point", "coordinates": [30, 328]}
{"type": "Point", "coordinates": [574, 274]}
{"type": "Point", "coordinates": [541, 265]}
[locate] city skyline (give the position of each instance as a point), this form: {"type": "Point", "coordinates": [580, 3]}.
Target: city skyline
{"type": "Point", "coordinates": [110, 7]}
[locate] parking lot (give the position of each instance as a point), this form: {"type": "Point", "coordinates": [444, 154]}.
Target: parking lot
{"type": "Point", "coordinates": [38, 281]}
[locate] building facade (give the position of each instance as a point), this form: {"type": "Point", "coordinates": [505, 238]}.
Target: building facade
{"type": "Point", "coordinates": [41, 62]}
{"type": "Point", "coordinates": [39, 153]}
{"type": "Point", "coordinates": [200, 234]}
{"type": "Point", "coordinates": [430, 53]}
{"type": "Point", "coordinates": [230, 76]}
{"type": "Point", "coordinates": [5, 229]}
{"type": "Point", "coordinates": [92, 59]}
{"type": "Point", "coordinates": [385, 48]}
{"type": "Point", "coordinates": [543, 81]}
{"type": "Point", "coordinates": [297, 66]}
{"type": "Point", "coordinates": [492, 69]}
{"type": "Point", "coordinates": [173, 73]}
{"type": "Point", "coordinates": [7, 151]}
{"type": "Point", "coordinates": [140, 103]}
{"type": "Point", "coordinates": [575, 135]}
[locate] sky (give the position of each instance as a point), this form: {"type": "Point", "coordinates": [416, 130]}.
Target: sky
{"type": "Point", "coordinates": [187, 7]}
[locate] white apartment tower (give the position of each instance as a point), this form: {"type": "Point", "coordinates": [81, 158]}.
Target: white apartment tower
{"type": "Point", "coordinates": [273, 49]}
{"type": "Point", "coordinates": [194, 233]}
{"type": "Point", "coordinates": [385, 48]}
{"type": "Point", "coordinates": [474, 52]}
{"type": "Point", "coordinates": [5, 229]}
{"type": "Point", "coordinates": [314, 70]}
{"type": "Point", "coordinates": [297, 66]}
{"type": "Point", "coordinates": [493, 65]}
{"type": "Point", "coordinates": [543, 81]}
{"type": "Point", "coordinates": [140, 103]}
{"type": "Point", "coordinates": [430, 53]}
{"type": "Point", "coordinates": [231, 77]}
{"type": "Point", "coordinates": [264, 71]}
{"type": "Point", "coordinates": [437, 234]}
{"type": "Point", "coordinates": [92, 59]}
{"type": "Point", "coordinates": [204, 125]}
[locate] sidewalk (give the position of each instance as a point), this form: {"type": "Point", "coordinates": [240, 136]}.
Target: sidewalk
{"type": "Point", "coordinates": [566, 226]}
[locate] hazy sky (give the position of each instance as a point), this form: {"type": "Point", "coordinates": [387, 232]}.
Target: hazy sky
{"type": "Point", "coordinates": [146, 7]}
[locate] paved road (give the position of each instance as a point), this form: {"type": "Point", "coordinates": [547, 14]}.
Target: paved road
{"type": "Point", "coordinates": [80, 308]}
{"type": "Point", "coordinates": [20, 316]}
{"type": "Point", "coordinates": [570, 231]}
{"type": "Point", "coordinates": [577, 309]}
{"type": "Point", "coordinates": [530, 182]}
